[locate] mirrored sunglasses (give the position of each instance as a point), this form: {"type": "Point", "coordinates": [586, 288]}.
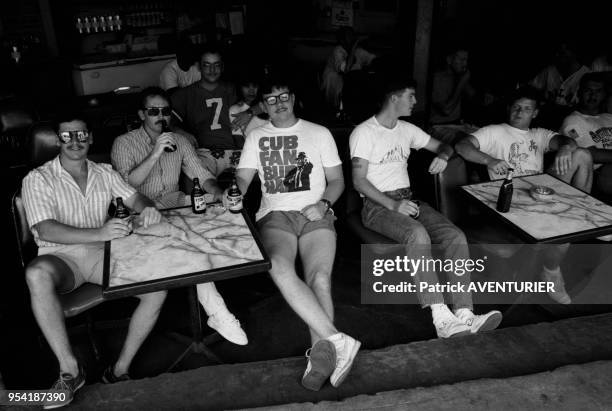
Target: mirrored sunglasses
{"type": "Point", "coordinates": [154, 111]}
{"type": "Point", "coordinates": [272, 100]}
{"type": "Point", "coordinates": [66, 137]}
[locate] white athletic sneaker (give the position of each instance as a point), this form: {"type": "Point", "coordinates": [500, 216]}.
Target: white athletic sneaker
{"type": "Point", "coordinates": [346, 350]}
{"type": "Point", "coordinates": [447, 325]}
{"type": "Point", "coordinates": [484, 322]}
{"type": "Point", "coordinates": [228, 326]}
{"type": "Point", "coordinates": [559, 294]}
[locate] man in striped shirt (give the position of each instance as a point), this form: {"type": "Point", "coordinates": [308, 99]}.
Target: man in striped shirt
{"type": "Point", "coordinates": [151, 160]}
{"type": "Point", "coordinates": [66, 202]}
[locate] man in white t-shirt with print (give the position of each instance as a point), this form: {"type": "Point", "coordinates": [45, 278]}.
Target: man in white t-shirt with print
{"type": "Point", "coordinates": [301, 177]}
{"type": "Point", "coordinates": [380, 147]}
{"type": "Point", "coordinates": [592, 128]}
{"type": "Point", "coordinates": [516, 145]}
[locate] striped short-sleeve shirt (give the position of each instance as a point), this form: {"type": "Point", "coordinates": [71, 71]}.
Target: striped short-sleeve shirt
{"type": "Point", "coordinates": [131, 149]}
{"type": "Point", "coordinates": [50, 193]}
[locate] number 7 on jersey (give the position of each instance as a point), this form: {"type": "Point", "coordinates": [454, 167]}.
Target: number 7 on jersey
{"type": "Point", "coordinates": [218, 103]}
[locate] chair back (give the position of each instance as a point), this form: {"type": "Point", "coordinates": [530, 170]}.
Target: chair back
{"type": "Point", "coordinates": [26, 247]}
{"type": "Point", "coordinates": [43, 144]}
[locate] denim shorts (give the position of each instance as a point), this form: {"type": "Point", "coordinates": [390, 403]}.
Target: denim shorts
{"type": "Point", "coordinates": [295, 223]}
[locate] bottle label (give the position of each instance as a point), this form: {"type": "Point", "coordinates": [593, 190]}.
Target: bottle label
{"type": "Point", "coordinates": [235, 202]}
{"type": "Point", "coordinates": [199, 203]}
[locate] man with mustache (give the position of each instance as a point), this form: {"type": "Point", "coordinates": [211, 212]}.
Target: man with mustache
{"type": "Point", "coordinates": [66, 202]}
{"type": "Point", "coordinates": [151, 160]}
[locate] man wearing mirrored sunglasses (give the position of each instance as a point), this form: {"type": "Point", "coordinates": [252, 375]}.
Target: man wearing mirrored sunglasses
{"type": "Point", "coordinates": [151, 159]}
{"type": "Point", "coordinates": [301, 177]}
{"type": "Point", "coordinates": [203, 109]}
{"type": "Point", "coordinates": [66, 202]}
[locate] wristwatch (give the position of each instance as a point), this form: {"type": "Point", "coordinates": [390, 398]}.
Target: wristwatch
{"type": "Point", "coordinates": [328, 205]}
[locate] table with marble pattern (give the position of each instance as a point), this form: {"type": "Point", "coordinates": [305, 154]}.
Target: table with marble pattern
{"type": "Point", "coordinates": [183, 243]}
{"type": "Point", "coordinates": [567, 212]}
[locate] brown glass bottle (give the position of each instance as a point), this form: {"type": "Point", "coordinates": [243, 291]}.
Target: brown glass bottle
{"type": "Point", "coordinates": [198, 201]}
{"type": "Point", "coordinates": [234, 197]}
{"type": "Point", "coordinates": [505, 193]}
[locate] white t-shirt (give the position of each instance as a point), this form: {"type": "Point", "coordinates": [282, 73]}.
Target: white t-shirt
{"type": "Point", "coordinates": [253, 124]}
{"type": "Point", "coordinates": [523, 149]}
{"type": "Point", "coordinates": [173, 76]}
{"type": "Point", "coordinates": [387, 151]}
{"type": "Point", "coordinates": [589, 131]}
{"type": "Point", "coordinates": [290, 164]}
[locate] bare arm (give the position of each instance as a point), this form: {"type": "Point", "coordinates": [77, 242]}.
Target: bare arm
{"type": "Point", "coordinates": [469, 148]}
{"type": "Point", "coordinates": [244, 176]}
{"type": "Point", "coordinates": [564, 146]}
{"type": "Point", "coordinates": [146, 207]}
{"type": "Point", "coordinates": [335, 187]}
{"type": "Point", "coordinates": [56, 232]}
{"type": "Point", "coordinates": [443, 151]}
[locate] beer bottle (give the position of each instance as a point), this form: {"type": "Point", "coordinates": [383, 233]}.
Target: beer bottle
{"type": "Point", "coordinates": [234, 197]}
{"type": "Point", "coordinates": [121, 211]}
{"type": "Point", "coordinates": [505, 193]}
{"type": "Point", "coordinates": [166, 129]}
{"type": "Point", "coordinates": [198, 201]}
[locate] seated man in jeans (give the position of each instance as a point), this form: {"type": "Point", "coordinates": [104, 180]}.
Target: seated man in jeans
{"type": "Point", "coordinates": [301, 177]}
{"type": "Point", "coordinates": [141, 158]}
{"type": "Point", "coordinates": [380, 147]}
{"type": "Point", "coordinates": [66, 203]}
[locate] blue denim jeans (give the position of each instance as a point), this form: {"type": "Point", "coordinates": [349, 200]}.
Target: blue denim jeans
{"type": "Point", "coordinates": [418, 234]}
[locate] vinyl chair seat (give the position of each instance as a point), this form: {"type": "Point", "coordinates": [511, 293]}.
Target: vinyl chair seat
{"type": "Point", "coordinates": [82, 299]}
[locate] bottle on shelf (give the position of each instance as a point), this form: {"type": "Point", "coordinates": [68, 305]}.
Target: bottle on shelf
{"type": "Point", "coordinates": [95, 25]}
{"type": "Point", "coordinates": [79, 25]}
{"type": "Point", "coordinates": [87, 25]}
{"type": "Point", "coordinates": [234, 198]}
{"type": "Point", "coordinates": [505, 193]}
{"type": "Point", "coordinates": [103, 23]}
{"type": "Point", "coordinates": [198, 200]}
{"type": "Point", "coordinates": [118, 22]}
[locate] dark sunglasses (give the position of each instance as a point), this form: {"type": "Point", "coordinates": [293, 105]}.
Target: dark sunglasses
{"type": "Point", "coordinates": [272, 100]}
{"type": "Point", "coordinates": [154, 111]}
{"type": "Point", "coordinates": [66, 137]}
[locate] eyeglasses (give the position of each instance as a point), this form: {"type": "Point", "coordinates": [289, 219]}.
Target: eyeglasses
{"type": "Point", "coordinates": [212, 66]}
{"type": "Point", "coordinates": [154, 111]}
{"type": "Point", "coordinates": [66, 137]}
{"type": "Point", "coordinates": [272, 100]}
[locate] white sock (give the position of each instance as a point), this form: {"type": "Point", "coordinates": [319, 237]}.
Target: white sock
{"type": "Point", "coordinates": [463, 311]}
{"type": "Point", "coordinates": [439, 311]}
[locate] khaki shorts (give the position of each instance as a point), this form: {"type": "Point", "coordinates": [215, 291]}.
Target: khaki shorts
{"type": "Point", "coordinates": [295, 223]}
{"type": "Point", "coordinates": [216, 162]}
{"type": "Point", "coordinates": [86, 261]}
